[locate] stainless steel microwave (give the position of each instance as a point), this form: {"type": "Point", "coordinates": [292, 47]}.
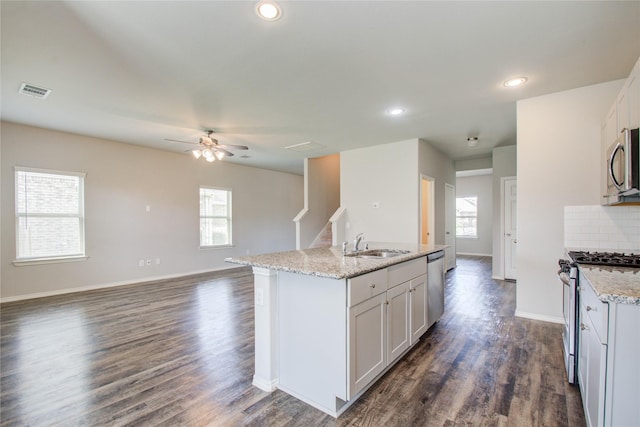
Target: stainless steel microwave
{"type": "Point", "coordinates": [623, 169]}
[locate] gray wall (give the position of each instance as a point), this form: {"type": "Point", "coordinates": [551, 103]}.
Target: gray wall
{"type": "Point", "coordinates": [480, 186]}
{"type": "Point", "coordinates": [504, 165]}
{"type": "Point", "coordinates": [121, 180]}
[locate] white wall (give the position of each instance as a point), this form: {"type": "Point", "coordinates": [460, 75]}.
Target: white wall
{"type": "Point", "coordinates": [558, 165]}
{"type": "Point", "coordinates": [504, 162]}
{"type": "Point", "coordinates": [121, 180]}
{"type": "Point", "coordinates": [388, 175]}
{"type": "Point", "coordinates": [481, 187]}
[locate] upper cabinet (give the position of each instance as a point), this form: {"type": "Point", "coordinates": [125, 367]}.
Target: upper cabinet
{"type": "Point", "coordinates": [623, 114]}
{"type": "Point", "coordinates": [628, 102]}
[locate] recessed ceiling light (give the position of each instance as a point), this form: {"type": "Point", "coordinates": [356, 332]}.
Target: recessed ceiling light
{"type": "Point", "coordinates": [518, 81]}
{"type": "Point", "coordinates": [396, 111]}
{"type": "Point", "coordinates": [268, 10]}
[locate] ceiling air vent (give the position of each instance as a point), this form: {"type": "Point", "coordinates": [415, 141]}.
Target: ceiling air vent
{"type": "Point", "coordinates": [35, 91]}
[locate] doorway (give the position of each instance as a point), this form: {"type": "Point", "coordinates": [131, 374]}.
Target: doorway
{"type": "Point", "coordinates": [450, 226]}
{"type": "Point", "coordinates": [427, 209]}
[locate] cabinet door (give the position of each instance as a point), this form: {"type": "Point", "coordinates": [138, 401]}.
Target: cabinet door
{"type": "Point", "coordinates": [591, 371]}
{"type": "Point", "coordinates": [419, 305]}
{"type": "Point", "coordinates": [397, 321]}
{"type": "Point", "coordinates": [367, 342]}
{"type": "Point", "coordinates": [632, 87]}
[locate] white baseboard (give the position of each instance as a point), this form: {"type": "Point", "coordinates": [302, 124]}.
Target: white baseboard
{"type": "Point", "coordinates": [544, 318]}
{"type": "Point", "coordinates": [108, 285]}
{"type": "Point", "coordinates": [473, 254]}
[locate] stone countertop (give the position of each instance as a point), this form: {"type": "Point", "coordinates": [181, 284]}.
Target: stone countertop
{"type": "Point", "coordinates": [331, 262]}
{"type": "Point", "coordinates": [619, 285]}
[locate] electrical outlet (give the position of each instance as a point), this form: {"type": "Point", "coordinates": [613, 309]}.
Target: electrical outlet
{"type": "Point", "coordinates": [157, 261]}
{"type": "Point", "coordinates": [141, 263]}
{"type": "Point", "coordinates": [259, 297]}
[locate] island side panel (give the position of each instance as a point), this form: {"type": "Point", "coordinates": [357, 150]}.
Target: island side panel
{"type": "Point", "coordinates": [266, 334]}
{"type": "Point", "coordinates": [312, 325]}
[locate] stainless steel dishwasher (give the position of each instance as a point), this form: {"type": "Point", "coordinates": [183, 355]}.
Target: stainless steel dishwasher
{"type": "Point", "coordinates": [435, 286]}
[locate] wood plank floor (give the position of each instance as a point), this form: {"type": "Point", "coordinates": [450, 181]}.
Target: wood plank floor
{"type": "Point", "coordinates": [180, 352]}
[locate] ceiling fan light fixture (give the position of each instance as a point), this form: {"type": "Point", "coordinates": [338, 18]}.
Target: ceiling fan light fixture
{"type": "Point", "coordinates": [210, 159]}
{"type": "Point", "coordinates": [268, 10]}
{"type": "Point", "coordinates": [208, 154]}
{"type": "Point", "coordinates": [196, 153]}
{"type": "Point", "coordinates": [219, 155]}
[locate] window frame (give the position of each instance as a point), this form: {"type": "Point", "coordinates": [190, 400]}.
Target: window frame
{"type": "Point", "coordinates": [467, 236]}
{"type": "Point", "coordinates": [31, 260]}
{"type": "Point", "coordinates": [228, 217]}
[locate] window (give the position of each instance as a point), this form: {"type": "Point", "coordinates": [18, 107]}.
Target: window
{"type": "Point", "coordinates": [467, 216]}
{"type": "Point", "coordinates": [49, 214]}
{"type": "Point", "coordinates": [215, 217]}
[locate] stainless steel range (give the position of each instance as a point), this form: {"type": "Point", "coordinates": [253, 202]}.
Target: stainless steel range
{"type": "Point", "coordinates": [568, 275]}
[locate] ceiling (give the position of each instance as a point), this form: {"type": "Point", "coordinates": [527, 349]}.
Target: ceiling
{"type": "Point", "coordinates": [326, 72]}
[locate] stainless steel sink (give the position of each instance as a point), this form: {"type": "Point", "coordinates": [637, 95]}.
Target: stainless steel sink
{"type": "Point", "coordinates": [377, 253]}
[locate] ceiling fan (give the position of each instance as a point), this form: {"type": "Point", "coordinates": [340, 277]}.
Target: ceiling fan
{"type": "Point", "coordinates": [210, 148]}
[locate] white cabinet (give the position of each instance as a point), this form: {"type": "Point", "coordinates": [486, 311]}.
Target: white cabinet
{"type": "Point", "coordinates": [608, 369]}
{"type": "Point", "coordinates": [367, 342]}
{"type": "Point", "coordinates": [623, 114]}
{"type": "Point", "coordinates": [592, 357]}
{"type": "Point", "coordinates": [398, 333]}
{"type": "Point", "coordinates": [383, 327]}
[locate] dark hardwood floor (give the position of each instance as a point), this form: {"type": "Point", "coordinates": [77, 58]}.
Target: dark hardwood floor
{"type": "Point", "coordinates": [180, 352]}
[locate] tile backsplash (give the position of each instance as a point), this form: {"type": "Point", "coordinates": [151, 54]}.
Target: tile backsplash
{"type": "Point", "coordinates": [602, 227]}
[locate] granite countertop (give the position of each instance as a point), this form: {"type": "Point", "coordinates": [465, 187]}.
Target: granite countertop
{"type": "Point", "coordinates": [620, 285]}
{"type": "Point", "coordinates": [331, 262]}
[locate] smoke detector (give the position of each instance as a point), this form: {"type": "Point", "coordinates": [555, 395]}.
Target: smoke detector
{"type": "Point", "coordinates": [472, 141]}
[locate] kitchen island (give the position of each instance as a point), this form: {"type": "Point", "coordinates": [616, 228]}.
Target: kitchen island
{"type": "Point", "coordinates": [329, 324]}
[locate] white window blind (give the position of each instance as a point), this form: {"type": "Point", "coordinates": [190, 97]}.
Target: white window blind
{"type": "Point", "coordinates": [215, 217]}
{"type": "Point", "coordinates": [49, 214]}
{"type": "Point", "coordinates": [467, 217]}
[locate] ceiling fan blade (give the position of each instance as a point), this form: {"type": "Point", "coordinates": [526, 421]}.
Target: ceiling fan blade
{"type": "Point", "coordinates": [183, 142]}
{"type": "Point", "coordinates": [236, 147]}
{"type": "Point", "coordinates": [218, 148]}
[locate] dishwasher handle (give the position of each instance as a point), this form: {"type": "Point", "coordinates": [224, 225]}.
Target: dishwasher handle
{"type": "Point", "coordinates": [435, 256]}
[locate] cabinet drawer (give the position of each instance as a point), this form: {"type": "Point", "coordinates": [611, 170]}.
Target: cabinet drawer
{"type": "Point", "coordinates": [406, 271]}
{"type": "Point", "coordinates": [366, 286]}
{"type": "Point", "coordinates": [597, 310]}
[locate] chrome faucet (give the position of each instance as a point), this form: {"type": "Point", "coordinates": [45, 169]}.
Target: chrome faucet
{"type": "Point", "coordinates": [357, 240]}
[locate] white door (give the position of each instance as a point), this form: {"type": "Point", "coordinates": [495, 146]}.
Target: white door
{"type": "Point", "coordinates": [450, 226]}
{"type": "Point", "coordinates": [510, 227]}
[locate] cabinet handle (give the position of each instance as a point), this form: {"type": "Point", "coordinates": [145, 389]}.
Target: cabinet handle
{"type": "Point", "coordinates": [372, 286]}
{"type": "Point", "coordinates": [583, 327]}
{"type": "Point", "coordinates": [589, 308]}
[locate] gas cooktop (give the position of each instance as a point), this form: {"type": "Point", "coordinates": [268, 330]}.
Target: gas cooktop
{"type": "Point", "coordinates": [613, 259]}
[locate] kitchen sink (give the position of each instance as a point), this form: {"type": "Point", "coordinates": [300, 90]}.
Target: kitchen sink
{"type": "Point", "coordinates": [377, 253]}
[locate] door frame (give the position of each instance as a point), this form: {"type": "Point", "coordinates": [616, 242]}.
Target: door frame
{"type": "Point", "coordinates": [430, 208]}
{"type": "Point", "coordinates": [503, 181]}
